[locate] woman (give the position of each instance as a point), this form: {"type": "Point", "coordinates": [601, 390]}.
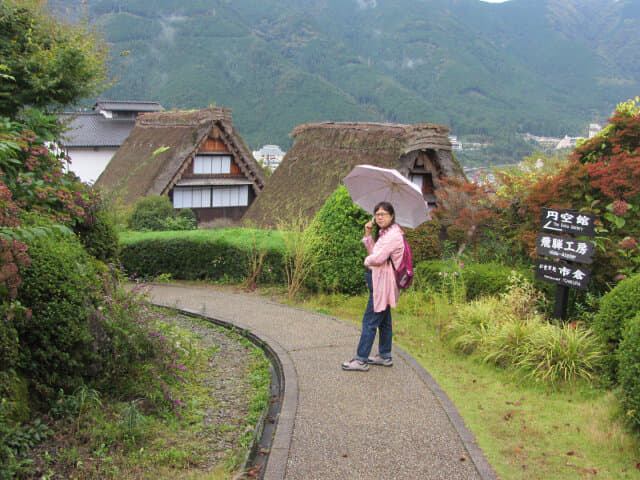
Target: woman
{"type": "Point", "coordinates": [383, 291]}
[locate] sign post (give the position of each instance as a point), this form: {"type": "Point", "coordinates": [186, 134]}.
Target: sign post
{"type": "Point", "coordinates": [566, 249]}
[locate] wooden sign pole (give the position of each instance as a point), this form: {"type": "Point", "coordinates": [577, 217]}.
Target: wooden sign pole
{"type": "Point", "coordinates": [562, 300]}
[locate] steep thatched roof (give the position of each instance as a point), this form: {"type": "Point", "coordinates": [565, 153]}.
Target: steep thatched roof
{"type": "Point", "coordinates": [324, 153]}
{"type": "Point", "coordinates": [161, 146]}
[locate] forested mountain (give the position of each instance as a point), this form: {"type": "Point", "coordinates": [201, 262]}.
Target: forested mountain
{"type": "Point", "coordinates": [489, 71]}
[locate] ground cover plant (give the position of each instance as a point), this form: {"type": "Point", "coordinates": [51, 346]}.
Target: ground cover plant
{"type": "Point", "coordinates": [223, 392]}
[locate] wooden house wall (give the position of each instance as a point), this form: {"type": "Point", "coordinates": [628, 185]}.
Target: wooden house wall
{"type": "Point", "coordinates": [207, 215]}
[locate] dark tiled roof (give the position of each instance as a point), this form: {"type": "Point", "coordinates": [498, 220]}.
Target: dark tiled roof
{"type": "Point", "coordinates": [94, 130]}
{"type": "Point", "coordinates": [124, 106]}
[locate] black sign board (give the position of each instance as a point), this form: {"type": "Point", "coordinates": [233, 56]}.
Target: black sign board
{"type": "Point", "coordinates": [566, 248]}
{"type": "Point", "coordinates": [568, 221]}
{"type": "Point", "coordinates": [563, 274]}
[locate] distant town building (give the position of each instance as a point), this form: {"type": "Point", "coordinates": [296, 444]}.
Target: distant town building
{"type": "Point", "coordinates": [455, 144]}
{"type": "Point", "coordinates": [568, 142]}
{"type": "Point", "coordinates": [269, 156]}
{"type": "Point", "coordinates": [594, 129]}
{"type": "Point", "coordinates": [94, 137]}
{"type": "Point", "coordinates": [459, 146]}
{"type": "Point", "coordinates": [561, 143]}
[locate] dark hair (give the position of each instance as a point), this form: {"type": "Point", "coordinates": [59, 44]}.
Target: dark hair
{"type": "Point", "coordinates": [387, 207]}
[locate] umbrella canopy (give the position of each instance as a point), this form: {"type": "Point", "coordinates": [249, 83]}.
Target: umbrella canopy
{"type": "Point", "coordinates": [369, 185]}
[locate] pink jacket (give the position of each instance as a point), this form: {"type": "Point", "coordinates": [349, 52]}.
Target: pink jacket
{"type": "Point", "coordinates": [390, 243]}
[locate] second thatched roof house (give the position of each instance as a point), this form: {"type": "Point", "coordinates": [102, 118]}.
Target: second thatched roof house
{"type": "Point", "coordinates": [197, 159]}
{"type": "Point", "coordinates": [324, 153]}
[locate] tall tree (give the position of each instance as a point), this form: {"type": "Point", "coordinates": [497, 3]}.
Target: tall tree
{"type": "Point", "coordinates": [45, 63]}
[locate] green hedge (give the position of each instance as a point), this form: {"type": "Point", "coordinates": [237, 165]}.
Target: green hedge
{"type": "Point", "coordinates": [479, 279]}
{"type": "Point", "coordinates": [628, 358]}
{"type": "Point", "coordinates": [216, 255]}
{"type": "Point", "coordinates": [617, 307]}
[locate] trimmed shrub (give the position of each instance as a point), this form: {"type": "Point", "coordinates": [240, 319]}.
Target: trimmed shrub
{"type": "Point", "coordinates": [150, 212]}
{"type": "Point", "coordinates": [628, 357]}
{"type": "Point", "coordinates": [339, 227]}
{"type": "Point", "coordinates": [99, 235]}
{"type": "Point", "coordinates": [617, 307]}
{"type": "Point", "coordinates": [215, 255]}
{"type": "Point", "coordinates": [425, 241]}
{"type": "Point", "coordinates": [479, 279]}
{"type": "Point", "coordinates": [483, 279]}
{"type": "Point", "coordinates": [156, 213]}
{"type": "Point", "coordinates": [184, 219]}
{"type": "Point", "coordinates": [57, 287]}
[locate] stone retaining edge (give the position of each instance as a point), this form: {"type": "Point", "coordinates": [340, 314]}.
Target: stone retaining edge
{"type": "Point", "coordinates": [276, 465]}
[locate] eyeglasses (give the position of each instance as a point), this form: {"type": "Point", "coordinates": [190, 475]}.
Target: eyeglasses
{"type": "Point", "coordinates": [382, 214]}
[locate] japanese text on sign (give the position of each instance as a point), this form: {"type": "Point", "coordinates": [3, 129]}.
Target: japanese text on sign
{"type": "Point", "coordinates": [568, 221]}
{"type": "Point", "coordinates": [560, 273]}
{"type": "Point", "coordinates": [566, 248]}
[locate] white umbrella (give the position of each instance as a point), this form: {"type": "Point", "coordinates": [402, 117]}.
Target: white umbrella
{"type": "Point", "coordinates": [369, 185]}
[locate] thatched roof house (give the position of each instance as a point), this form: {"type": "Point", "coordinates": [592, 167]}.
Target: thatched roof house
{"type": "Point", "coordinates": [197, 159]}
{"type": "Point", "coordinates": [324, 153]}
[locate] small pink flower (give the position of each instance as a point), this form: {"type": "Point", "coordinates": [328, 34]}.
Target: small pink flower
{"type": "Point", "coordinates": [628, 243]}
{"type": "Point", "coordinates": [620, 207]}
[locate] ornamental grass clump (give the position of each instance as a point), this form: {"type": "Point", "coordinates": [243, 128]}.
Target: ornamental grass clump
{"type": "Point", "coordinates": [471, 321]}
{"type": "Point", "coordinates": [561, 354]}
{"type": "Point", "coordinates": [506, 341]}
{"type": "Point", "coordinates": [508, 332]}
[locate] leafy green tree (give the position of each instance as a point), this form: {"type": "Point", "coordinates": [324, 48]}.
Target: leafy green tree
{"type": "Point", "coordinates": [43, 62]}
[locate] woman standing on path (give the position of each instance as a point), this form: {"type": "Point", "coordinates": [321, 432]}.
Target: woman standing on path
{"type": "Point", "coordinates": [383, 291]}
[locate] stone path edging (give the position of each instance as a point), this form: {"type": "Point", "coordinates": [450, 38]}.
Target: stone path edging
{"type": "Point", "coordinates": [276, 466]}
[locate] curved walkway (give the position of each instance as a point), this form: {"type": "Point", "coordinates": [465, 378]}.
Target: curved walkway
{"type": "Point", "coordinates": [388, 423]}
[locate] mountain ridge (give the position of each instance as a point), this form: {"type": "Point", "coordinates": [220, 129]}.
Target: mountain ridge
{"type": "Point", "coordinates": [489, 71]}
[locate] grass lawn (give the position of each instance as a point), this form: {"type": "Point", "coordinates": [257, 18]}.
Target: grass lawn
{"type": "Point", "coordinates": [526, 430]}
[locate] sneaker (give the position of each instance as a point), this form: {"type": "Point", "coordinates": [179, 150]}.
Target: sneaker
{"type": "Point", "coordinates": [378, 360]}
{"type": "Point", "coordinates": [355, 364]}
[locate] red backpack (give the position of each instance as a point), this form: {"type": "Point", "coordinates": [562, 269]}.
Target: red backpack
{"type": "Point", "coordinates": [404, 273]}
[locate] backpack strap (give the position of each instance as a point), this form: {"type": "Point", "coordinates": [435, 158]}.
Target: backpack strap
{"type": "Point", "coordinates": [391, 262]}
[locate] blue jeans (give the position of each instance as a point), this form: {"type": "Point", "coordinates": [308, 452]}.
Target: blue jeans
{"type": "Point", "coordinates": [372, 321]}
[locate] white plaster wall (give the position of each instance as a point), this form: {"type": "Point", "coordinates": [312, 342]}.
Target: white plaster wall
{"type": "Point", "coordinates": [89, 163]}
